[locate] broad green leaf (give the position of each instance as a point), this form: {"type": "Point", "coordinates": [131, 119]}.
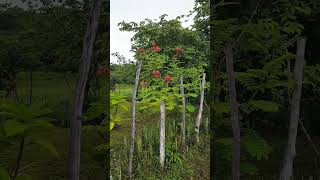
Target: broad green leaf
{"type": "Point", "coordinates": [4, 175]}
{"type": "Point", "coordinates": [88, 128]}
{"type": "Point", "coordinates": [192, 94]}
{"type": "Point", "coordinates": [266, 106]}
{"type": "Point", "coordinates": [111, 125]}
{"type": "Point", "coordinates": [7, 115]}
{"type": "Point", "coordinates": [124, 107]}
{"type": "Point", "coordinates": [245, 107]}
{"type": "Point", "coordinates": [225, 141]}
{"type": "Point", "coordinates": [256, 146]}
{"type": "Point", "coordinates": [13, 127]}
{"type": "Point", "coordinates": [116, 119]}
{"type": "Point", "coordinates": [41, 124]}
{"type": "Point", "coordinates": [190, 108]}
{"type": "Point", "coordinates": [103, 147]}
{"type": "Point", "coordinates": [248, 168]}
{"type": "Point", "coordinates": [47, 145]}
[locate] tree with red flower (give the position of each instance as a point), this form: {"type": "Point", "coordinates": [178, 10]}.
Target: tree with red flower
{"type": "Point", "coordinates": [155, 47]}
{"type": "Point", "coordinates": [167, 78]}
{"type": "Point", "coordinates": [178, 51]}
{"type": "Point", "coordinates": [155, 74]}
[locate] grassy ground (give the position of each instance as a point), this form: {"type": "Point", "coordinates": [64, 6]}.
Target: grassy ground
{"type": "Point", "coordinates": [124, 89]}
{"type": "Point", "coordinates": [48, 87]}
{"type": "Point", "coordinates": [196, 160]}
{"type": "Point", "coordinates": [195, 164]}
{"type": "Point", "coordinates": [52, 90]}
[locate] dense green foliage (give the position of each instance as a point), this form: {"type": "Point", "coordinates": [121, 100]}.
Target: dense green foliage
{"type": "Point", "coordinates": [41, 46]}
{"type": "Point", "coordinates": [123, 72]}
{"type": "Point", "coordinates": [263, 36]}
{"type": "Point", "coordinates": [169, 34]}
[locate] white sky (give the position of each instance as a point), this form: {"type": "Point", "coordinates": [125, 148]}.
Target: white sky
{"type": "Point", "coordinates": [138, 10]}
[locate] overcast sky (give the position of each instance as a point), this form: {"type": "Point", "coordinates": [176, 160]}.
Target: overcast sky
{"type": "Point", "coordinates": [138, 10]}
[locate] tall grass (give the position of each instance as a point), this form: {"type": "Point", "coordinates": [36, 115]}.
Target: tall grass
{"type": "Point", "coordinates": [146, 157]}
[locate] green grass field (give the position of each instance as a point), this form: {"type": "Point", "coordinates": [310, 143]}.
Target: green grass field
{"type": "Point", "coordinates": [47, 87]}
{"type": "Point", "coordinates": [51, 90]}
{"type": "Point", "coordinates": [124, 89]}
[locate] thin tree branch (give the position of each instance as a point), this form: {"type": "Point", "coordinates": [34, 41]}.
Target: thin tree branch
{"type": "Point", "coordinates": [252, 15]}
{"type": "Point", "coordinates": [238, 38]}
{"type": "Point", "coordinates": [100, 133]}
{"type": "Point", "coordinates": [309, 138]}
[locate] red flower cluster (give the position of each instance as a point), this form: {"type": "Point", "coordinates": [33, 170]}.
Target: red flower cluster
{"type": "Point", "coordinates": [155, 74]}
{"type": "Point", "coordinates": [167, 78]}
{"type": "Point", "coordinates": [103, 71]}
{"type": "Point", "coordinates": [155, 47]}
{"type": "Point", "coordinates": [141, 50]}
{"type": "Point", "coordinates": [178, 51]}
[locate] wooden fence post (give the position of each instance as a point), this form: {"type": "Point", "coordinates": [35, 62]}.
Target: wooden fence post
{"type": "Point", "coordinates": [133, 114]}
{"type": "Point", "coordinates": [162, 133]}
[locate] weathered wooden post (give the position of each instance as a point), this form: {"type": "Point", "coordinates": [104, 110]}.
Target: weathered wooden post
{"type": "Point", "coordinates": [162, 133]}
{"type": "Point", "coordinates": [132, 120]}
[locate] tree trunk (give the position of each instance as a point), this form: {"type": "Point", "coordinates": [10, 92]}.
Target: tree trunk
{"type": "Point", "coordinates": [16, 170]}
{"type": "Point", "coordinates": [234, 113]}
{"type": "Point", "coordinates": [86, 96]}
{"type": "Point", "coordinates": [198, 121]}
{"type": "Point", "coordinates": [162, 133]}
{"type": "Point", "coordinates": [133, 115]}
{"type": "Point", "coordinates": [85, 63]}
{"type": "Point", "coordinates": [287, 168]}
{"type": "Point", "coordinates": [31, 84]}
{"type": "Point", "coordinates": [183, 124]}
